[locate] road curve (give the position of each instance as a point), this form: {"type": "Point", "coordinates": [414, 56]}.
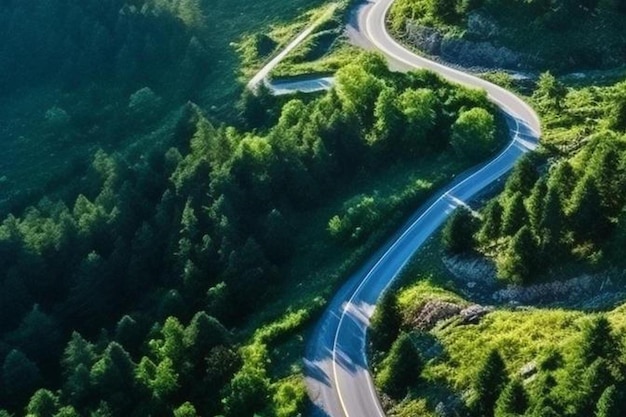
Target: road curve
{"type": "Point", "coordinates": [336, 370]}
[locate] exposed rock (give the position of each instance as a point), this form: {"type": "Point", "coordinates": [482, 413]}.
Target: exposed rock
{"type": "Point", "coordinates": [528, 370]}
{"type": "Point", "coordinates": [569, 291]}
{"type": "Point", "coordinates": [433, 312]}
{"type": "Point", "coordinates": [473, 313]}
{"type": "Point", "coordinates": [465, 52]}
{"type": "Point", "coordinates": [472, 270]}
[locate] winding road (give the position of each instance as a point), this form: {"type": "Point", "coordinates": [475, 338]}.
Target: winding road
{"type": "Point", "coordinates": [336, 369]}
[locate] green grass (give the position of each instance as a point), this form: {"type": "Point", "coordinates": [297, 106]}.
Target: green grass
{"type": "Point", "coordinates": [321, 264]}
{"type": "Point", "coordinates": [230, 22]}
{"type": "Point", "coordinates": [323, 52]}
{"type": "Point", "coordinates": [454, 352]}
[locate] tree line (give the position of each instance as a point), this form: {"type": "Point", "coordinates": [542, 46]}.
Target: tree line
{"type": "Point", "coordinates": [558, 211]}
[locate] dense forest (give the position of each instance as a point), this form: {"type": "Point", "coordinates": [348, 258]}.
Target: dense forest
{"type": "Point", "coordinates": [565, 206]}
{"type": "Point", "coordinates": [117, 295]}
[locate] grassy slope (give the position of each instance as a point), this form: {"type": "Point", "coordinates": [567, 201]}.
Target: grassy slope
{"type": "Point", "coordinates": [453, 353]}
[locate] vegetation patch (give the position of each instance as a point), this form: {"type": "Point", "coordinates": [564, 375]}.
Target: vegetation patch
{"type": "Point", "coordinates": [552, 238]}
{"type": "Point", "coordinates": [517, 35]}
{"type": "Point", "coordinates": [183, 273]}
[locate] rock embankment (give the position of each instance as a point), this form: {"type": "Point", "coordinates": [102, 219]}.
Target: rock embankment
{"type": "Point", "coordinates": [477, 278]}
{"type": "Point", "coordinates": [477, 47]}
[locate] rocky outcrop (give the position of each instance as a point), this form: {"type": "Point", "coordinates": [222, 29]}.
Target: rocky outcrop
{"type": "Point", "coordinates": [475, 48]}
{"type": "Point", "coordinates": [433, 312]}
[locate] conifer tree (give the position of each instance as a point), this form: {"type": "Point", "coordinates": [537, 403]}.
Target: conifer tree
{"type": "Point", "coordinates": [458, 232]}
{"type": "Point", "coordinates": [520, 259]}
{"type": "Point", "coordinates": [523, 177]}
{"type": "Point", "coordinates": [514, 215]}
{"type": "Point", "coordinates": [609, 405]}
{"type": "Point", "coordinates": [402, 367]}
{"type": "Point", "coordinates": [386, 321]}
{"type": "Point", "coordinates": [512, 401]}
{"type": "Point", "coordinates": [491, 221]}
{"type": "Point", "coordinates": [489, 383]}
{"type": "Point", "coordinates": [586, 214]}
{"type": "Point", "coordinates": [551, 223]}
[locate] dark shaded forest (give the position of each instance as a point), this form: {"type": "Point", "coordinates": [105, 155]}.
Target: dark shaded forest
{"type": "Point", "coordinates": [76, 43]}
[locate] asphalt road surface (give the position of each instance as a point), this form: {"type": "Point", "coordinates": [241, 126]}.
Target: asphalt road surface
{"type": "Point", "coordinates": [337, 374]}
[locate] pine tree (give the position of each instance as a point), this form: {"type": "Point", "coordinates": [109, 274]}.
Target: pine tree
{"type": "Point", "coordinates": [385, 323]}
{"type": "Point", "coordinates": [586, 214]}
{"type": "Point", "coordinates": [458, 232]}
{"type": "Point", "coordinates": [598, 341]}
{"type": "Point", "coordinates": [609, 405]}
{"type": "Point", "coordinates": [535, 204]}
{"type": "Point", "coordinates": [595, 379]}
{"type": "Point", "coordinates": [514, 215]}
{"type": "Point", "coordinates": [489, 383]}
{"type": "Point", "coordinates": [401, 368]}
{"type": "Point", "coordinates": [520, 259]}
{"type": "Point", "coordinates": [513, 400]}
{"type": "Point", "coordinates": [523, 177]}
{"type": "Point", "coordinates": [551, 223]}
{"type": "Point", "coordinates": [204, 333]}
{"type": "Point", "coordinates": [43, 404]}
{"type": "Point", "coordinates": [20, 377]}
{"type": "Point", "coordinates": [563, 179]}
{"type": "Point", "coordinates": [491, 221]}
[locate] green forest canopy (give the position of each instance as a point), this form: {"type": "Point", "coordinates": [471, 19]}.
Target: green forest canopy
{"type": "Point", "coordinates": [130, 278]}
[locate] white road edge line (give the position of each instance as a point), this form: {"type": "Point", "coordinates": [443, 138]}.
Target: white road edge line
{"type": "Point", "coordinates": [411, 227]}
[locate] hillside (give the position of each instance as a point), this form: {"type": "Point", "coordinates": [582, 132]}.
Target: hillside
{"type": "Point", "coordinates": [76, 77]}
{"type": "Point", "coordinates": [559, 35]}
{"type": "Point", "coordinates": [543, 260]}
{"type": "Point", "coordinates": [171, 280]}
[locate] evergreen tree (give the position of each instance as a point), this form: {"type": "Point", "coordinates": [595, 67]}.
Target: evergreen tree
{"type": "Point", "coordinates": [401, 368]}
{"type": "Point", "coordinates": [523, 177]}
{"type": "Point", "coordinates": [185, 410]}
{"type": "Point", "coordinates": [563, 180]}
{"type": "Point", "coordinates": [113, 377]}
{"type": "Point", "coordinates": [385, 322]}
{"type": "Point", "coordinates": [586, 213]}
{"type": "Point", "coordinates": [520, 259]}
{"type": "Point", "coordinates": [551, 224]}
{"type": "Point", "coordinates": [609, 177]}
{"type": "Point", "coordinates": [20, 377]}
{"type": "Point", "coordinates": [550, 92]}
{"type": "Point", "coordinates": [609, 404]}
{"type": "Point", "coordinates": [512, 401]}
{"type": "Point", "coordinates": [514, 215]}
{"type": "Point", "coordinates": [458, 233]}
{"type": "Point", "coordinates": [203, 334]}
{"type": "Point", "coordinates": [43, 404]}
{"type": "Point", "coordinates": [489, 383]}
{"type": "Point", "coordinates": [598, 341]}
{"type": "Point", "coordinates": [535, 204]}
{"type": "Point", "coordinates": [491, 221]}
{"type": "Point", "coordinates": [595, 379]}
